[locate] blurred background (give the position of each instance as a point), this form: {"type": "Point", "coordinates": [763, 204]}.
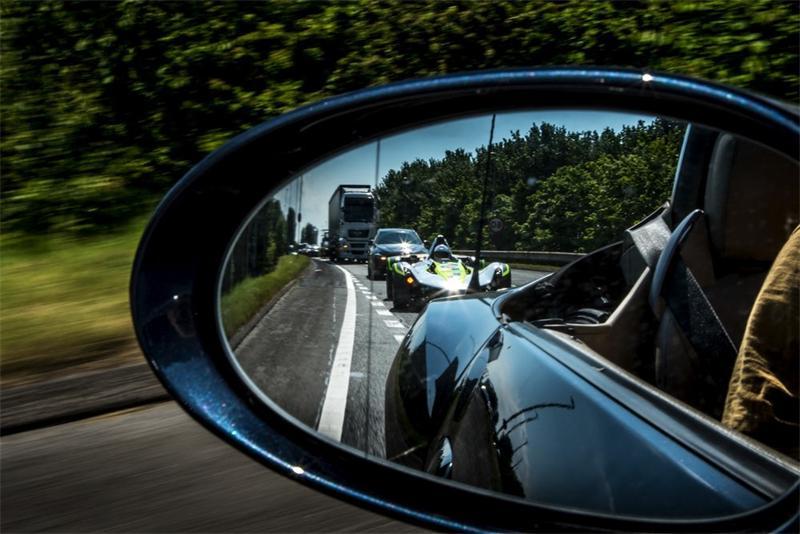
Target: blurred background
{"type": "Point", "coordinates": [104, 106]}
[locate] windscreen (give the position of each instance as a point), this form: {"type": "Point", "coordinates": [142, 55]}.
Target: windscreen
{"type": "Point", "coordinates": [391, 237]}
{"type": "Point", "coordinates": [358, 209]}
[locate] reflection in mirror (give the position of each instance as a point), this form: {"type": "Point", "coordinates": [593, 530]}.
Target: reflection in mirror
{"type": "Point", "coordinates": [329, 302]}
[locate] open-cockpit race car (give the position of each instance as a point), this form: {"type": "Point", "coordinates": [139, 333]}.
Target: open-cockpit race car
{"type": "Point", "coordinates": [415, 279]}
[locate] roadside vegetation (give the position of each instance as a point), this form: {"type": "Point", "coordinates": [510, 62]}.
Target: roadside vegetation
{"type": "Point", "coordinates": [554, 189]}
{"type": "Point", "coordinates": [64, 300]}
{"type": "Point", "coordinates": [249, 295]}
{"type": "Point", "coordinates": [106, 105]}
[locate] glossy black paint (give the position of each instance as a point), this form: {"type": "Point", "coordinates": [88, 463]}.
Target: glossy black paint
{"type": "Point", "coordinates": [519, 422]}
{"type": "Point", "coordinates": [175, 280]}
{"type": "Point", "coordinates": [428, 366]}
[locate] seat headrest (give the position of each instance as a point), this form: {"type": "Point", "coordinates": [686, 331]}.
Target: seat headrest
{"type": "Point", "coordinates": [752, 199]}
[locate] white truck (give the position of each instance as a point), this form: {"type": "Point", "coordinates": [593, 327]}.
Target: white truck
{"type": "Point", "coordinates": [352, 222]}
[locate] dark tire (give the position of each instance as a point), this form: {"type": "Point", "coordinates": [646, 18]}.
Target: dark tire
{"type": "Point", "coordinates": [400, 296]}
{"type": "Point", "coordinates": [389, 285]}
{"type": "Point", "coordinates": [505, 281]}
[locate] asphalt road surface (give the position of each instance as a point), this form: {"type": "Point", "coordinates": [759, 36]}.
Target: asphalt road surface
{"type": "Point", "coordinates": [156, 470]}
{"type": "Point", "coordinates": [291, 352]}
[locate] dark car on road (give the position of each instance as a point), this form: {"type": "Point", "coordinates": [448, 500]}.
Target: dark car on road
{"type": "Point", "coordinates": [325, 245]}
{"type": "Point", "coordinates": [308, 249]}
{"type": "Point", "coordinates": [391, 242]}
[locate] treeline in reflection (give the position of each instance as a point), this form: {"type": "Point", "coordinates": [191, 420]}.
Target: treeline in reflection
{"type": "Point", "coordinates": [257, 249]}
{"type": "Point", "coordinates": [259, 267]}
{"type": "Point", "coordinates": [553, 189]}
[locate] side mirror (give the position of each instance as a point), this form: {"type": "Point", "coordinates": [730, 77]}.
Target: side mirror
{"type": "Point", "coordinates": [439, 410]}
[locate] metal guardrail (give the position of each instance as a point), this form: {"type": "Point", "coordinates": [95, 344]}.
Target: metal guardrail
{"type": "Point", "coordinates": [526, 256]}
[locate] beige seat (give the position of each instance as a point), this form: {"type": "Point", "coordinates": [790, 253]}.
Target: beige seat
{"type": "Point", "coordinates": [751, 205]}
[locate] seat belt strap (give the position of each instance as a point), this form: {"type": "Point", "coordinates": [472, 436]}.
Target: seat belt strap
{"type": "Point", "coordinates": [675, 287]}
{"type": "Point", "coordinates": [699, 322]}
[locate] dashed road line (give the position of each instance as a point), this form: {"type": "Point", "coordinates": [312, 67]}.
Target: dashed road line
{"type": "Point", "coordinates": [380, 309]}
{"type": "Point", "coordinates": [331, 420]}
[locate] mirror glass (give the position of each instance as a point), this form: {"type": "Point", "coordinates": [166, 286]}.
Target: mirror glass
{"type": "Point", "coordinates": [495, 388]}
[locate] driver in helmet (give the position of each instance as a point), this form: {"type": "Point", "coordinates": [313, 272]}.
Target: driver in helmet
{"type": "Point", "coordinates": [442, 253]}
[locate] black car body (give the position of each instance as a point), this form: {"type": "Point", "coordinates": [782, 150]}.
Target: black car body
{"type": "Point", "coordinates": [309, 250]}
{"type": "Point", "coordinates": [546, 391]}
{"type": "Point", "coordinates": [391, 242]}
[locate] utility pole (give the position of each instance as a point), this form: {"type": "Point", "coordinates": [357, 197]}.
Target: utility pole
{"type": "Point", "coordinates": [377, 161]}
{"type": "Point", "coordinates": [300, 204]}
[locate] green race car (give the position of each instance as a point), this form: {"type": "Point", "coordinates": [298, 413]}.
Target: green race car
{"type": "Point", "coordinates": [415, 279]}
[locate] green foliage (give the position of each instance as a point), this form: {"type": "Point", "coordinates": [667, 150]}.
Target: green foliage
{"type": "Point", "coordinates": [309, 234]}
{"type": "Point", "coordinates": [65, 300]}
{"type": "Point", "coordinates": [553, 189]}
{"type": "Point", "coordinates": [258, 247]}
{"type": "Point", "coordinates": [105, 105]}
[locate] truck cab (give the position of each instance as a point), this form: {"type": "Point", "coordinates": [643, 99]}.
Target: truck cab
{"type": "Point", "coordinates": [353, 221]}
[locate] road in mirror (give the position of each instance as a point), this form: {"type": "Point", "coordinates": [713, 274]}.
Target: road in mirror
{"type": "Point", "coordinates": [325, 281]}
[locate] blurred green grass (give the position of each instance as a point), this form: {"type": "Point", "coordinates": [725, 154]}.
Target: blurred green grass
{"type": "Point", "coordinates": [246, 298]}
{"type": "Point", "coordinates": [64, 300]}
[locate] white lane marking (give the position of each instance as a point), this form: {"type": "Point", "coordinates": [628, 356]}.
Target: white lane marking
{"type": "Point", "coordinates": [399, 337]}
{"type": "Point", "coordinates": [377, 303]}
{"type": "Point", "coordinates": [372, 297]}
{"type": "Point", "coordinates": [331, 421]}
{"type": "Point", "coordinates": [394, 324]}
{"type": "Point", "coordinates": [383, 311]}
